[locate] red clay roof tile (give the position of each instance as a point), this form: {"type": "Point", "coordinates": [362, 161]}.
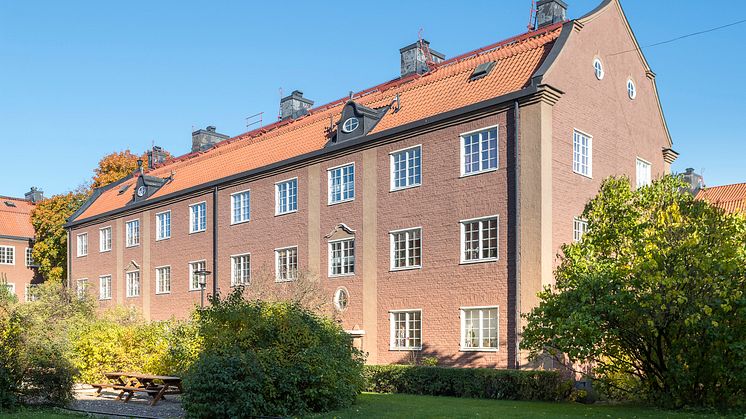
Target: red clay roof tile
{"type": "Point", "coordinates": [731, 198]}
{"type": "Point", "coordinates": [15, 219]}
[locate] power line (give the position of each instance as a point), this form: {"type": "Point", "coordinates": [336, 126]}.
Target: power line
{"type": "Point", "coordinates": [684, 36]}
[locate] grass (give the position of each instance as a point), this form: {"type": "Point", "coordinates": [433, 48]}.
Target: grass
{"type": "Point", "coordinates": [41, 413]}
{"type": "Point", "coordinates": [373, 405]}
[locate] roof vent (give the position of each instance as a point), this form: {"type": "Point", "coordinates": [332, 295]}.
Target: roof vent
{"type": "Point", "coordinates": [482, 70]}
{"type": "Point", "coordinates": [123, 189]}
{"type": "Point", "coordinates": [10, 204]}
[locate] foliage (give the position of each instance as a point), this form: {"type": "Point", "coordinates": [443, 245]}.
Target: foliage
{"type": "Point", "coordinates": [483, 383]}
{"type": "Point", "coordinates": [654, 291]}
{"type": "Point", "coordinates": [115, 166]}
{"type": "Point", "coordinates": [308, 362]}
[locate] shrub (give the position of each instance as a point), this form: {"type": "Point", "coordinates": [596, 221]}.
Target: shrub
{"type": "Point", "coordinates": [482, 383]}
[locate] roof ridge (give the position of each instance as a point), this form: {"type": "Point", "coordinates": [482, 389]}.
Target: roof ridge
{"type": "Point", "coordinates": [723, 186]}
{"type": "Point", "coordinates": [16, 199]}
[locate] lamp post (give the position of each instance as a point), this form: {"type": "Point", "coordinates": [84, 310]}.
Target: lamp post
{"type": "Point", "coordinates": [202, 273]}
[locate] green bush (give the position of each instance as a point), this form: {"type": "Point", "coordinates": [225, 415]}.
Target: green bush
{"type": "Point", "coordinates": [308, 362]}
{"type": "Point", "coordinates": [484, 383]}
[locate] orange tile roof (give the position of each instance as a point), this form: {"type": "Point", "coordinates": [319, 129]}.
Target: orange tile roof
{"type": "Point", "coordinates": [731, 198]}
{"type": "Point", "coordinates": [444, 88]}
{"type": "Point", "coordinates": [16, 220]}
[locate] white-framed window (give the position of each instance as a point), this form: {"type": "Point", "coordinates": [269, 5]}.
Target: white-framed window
{"type": "Point", "coordinates": [240, 207]}
{"type": "Point", "coordinates": [644, 173]}
{"type": "Point", "coordinates": [582, 153]}
{"type": "Point", "coordinates": [579, 227]}
{"type": "Point", "coordinates": [194, 278]}
{"type": "Point", "coordinates": [163, 280]}
{"type": "Point", "coordinates": [479, 239]}
{"type": "Point", "coordinates": [240, 269]}
{"type": "Point", "coordinates": [406, 329]}
{"type": "Point", "coordinates": [479, 328]}
{"type": "Point", "coordinates": [132, 233]}
{"type": "Point", "coordinates": [286, 264]}
{"type": "Point", "coordinates": [104, 239]}
{"type": "Point", "coordinates": [11, 287]}
{"type": "Point", "coordinates": [198, 217]}
{"type": "Point", "coordinates": [341, 181]}
{"type": "Point", "coordinates": [286, 196]}
{"type": "Point", "coordinates": [341, 299]}
{"type": "Point", "coordinates": [598, 68]}
{"type": "Point", "coordinates": [30, 257]}
{"type": "Point", "coordinates": [406, 248]}
{"type": "Point", "coordinates": [7, 255]}
{"type": "Point", "coordinates": [82, 288]}
{"type": "Point", "coordinates": [631, 89]}
{"type": "Point", "coordinates": [342, 257]}
{"type": "Point", "coordinates": [133, 284]}
{"type": "Point", "coordinates": [350, 124]}
{"type": "Point", "coordinates": [104, 287]}
{"type": "Point", "coordinates": [163, 225]}
{"type": "Point", "coordinates": [82, 244]}
{"type": "Point", "coordinates": [479, 151]}
{"type": "Point", "coordinates": [406, 168]}
{"type": "Point", "coordinates": [29, 293]}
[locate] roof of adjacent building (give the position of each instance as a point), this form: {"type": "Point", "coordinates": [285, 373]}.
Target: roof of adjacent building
{"type": "Point", "coordinates": [15, 217]}
{"type": "Point", "coordinates": [447, 87]}
{"type": "Point", "coordinates": [731, 198]}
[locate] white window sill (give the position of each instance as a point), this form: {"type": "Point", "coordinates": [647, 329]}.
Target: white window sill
{"type": "Point", "coordinates": [341, 275]}
{"type": "Point", "coordinates": [105, 299]}
{"type": "Point", "coordinates": [589, 176]}
{"type": "Point", "coordinates": [340, 202]}
{"type": "Point", "coordinates": [402, 188]}
{"type": "Point", "coordinates": [105, 251]}
{"type": "Point", "coordinates": [163, 293]}
{"type": "Point", "coordinates": [133, 296]}
{"type": "Point", "coordinates": [280, 281]}
{"type": "Point", "coordinates": [239, 285]}
{"type": "Point", "coordinates": [82, 256]}
{"type": "Point", "coordinates": [277, 214]}
{"type": "Point", "coordinates": [163, 238]}
{"type": "Point", "coordinates": [132, 245]}
{"type": "Point", "coordinates": [196, 289]}
{"type": "Point", "coordinates": [479, 349]}
{"type": "Point", "coordinates": [234, 223]}
{"type": "Point", "coordinates": [463, 175]}
{"type": "Point", "coordinates": [471, 262]}
{"type": "Point", "coordinates": [197, 231]}
{"type": "Point", "coordinates": [414, 348]}
{"type": "Point", "coordinates": [405, 268]}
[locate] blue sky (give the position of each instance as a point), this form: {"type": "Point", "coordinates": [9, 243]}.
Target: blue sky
{"type": "Point", "coordinates": [80, 79]}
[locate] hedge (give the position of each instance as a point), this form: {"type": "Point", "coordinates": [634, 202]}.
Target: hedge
{"type": "Point", "coordinates": [483, 383]}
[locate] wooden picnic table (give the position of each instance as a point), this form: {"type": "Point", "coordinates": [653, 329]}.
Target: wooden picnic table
{"type": "Point", "coordinates": [157, 386]}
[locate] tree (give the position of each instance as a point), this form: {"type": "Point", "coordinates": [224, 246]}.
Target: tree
{"type": "Point", "coordinates": [653, 294]}
{"type": "Point", "coordinates": [115, 166]}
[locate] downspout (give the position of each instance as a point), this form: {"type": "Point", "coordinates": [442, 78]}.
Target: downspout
{"type": "Point", "coordinates": [69, 258]}
{"type": "Point", "coordinates": [215, 241]}
{"type": "Point", "coordinates": [517, 215]}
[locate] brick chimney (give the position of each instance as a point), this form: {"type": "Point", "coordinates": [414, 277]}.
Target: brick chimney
{"type": "Point", "coordinates": [549, 12]}
{"type": "Point", "coordinates": [294, 105]}
{"type": "Point", "coordinates": [202, 139]}
{"type": "Point", "coordinates": [34, 195]}
{"type": "Point", "coordinates": [156, 156]}
{"type": "Point", "coordinates": [694, 179]}
{"type": "Point", "coordinates": [414, 58]}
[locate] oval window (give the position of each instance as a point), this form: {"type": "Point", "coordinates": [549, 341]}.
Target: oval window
{"type": "Point", "coordinates": [598, 68]}
{"type": "Point", "coordinates": [341, 299]}
{"type": "Point", "coordinates": [350, 125]}
{"type": "Point", "coordinates": [631, 89]}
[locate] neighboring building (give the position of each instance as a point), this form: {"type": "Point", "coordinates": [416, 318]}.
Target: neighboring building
{"type": "Point", "coordinates": [431, 206]}
{"type": "Point", "coordinates": [17, 268]}
{"type": "Point", "coordinates": [731, 198]}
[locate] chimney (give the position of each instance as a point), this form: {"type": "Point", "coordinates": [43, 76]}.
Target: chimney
{"type": "Point", "coordinates": [694, 180]}
{"type": "Point", "coordinates": [294, 106]}
{"type": "Point", "coordinates": [414, 58]}
{"type": "Point", "coordinates": [156, 156]}
{"type": "Point", "coordinates": [549, 12]}
{"type": "Point", "coordinates": [34, 195]}
{"type": "Point", "coordinates": [202, 139]}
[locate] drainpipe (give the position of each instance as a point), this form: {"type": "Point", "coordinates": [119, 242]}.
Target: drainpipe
{"type": "Point", "coordinates": [215, 241]}
{"type": "Point", "coordinates": [69, 258]}
{"type": "Point", "coordinates": [517, 215]}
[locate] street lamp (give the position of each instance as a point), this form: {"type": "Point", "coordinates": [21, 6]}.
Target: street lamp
{"type": "Point", "coordinates": [202, 273]}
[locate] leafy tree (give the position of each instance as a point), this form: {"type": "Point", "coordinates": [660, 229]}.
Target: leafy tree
{"type": "Point", "coordinates": [115, 166]}
{"type": "Point", "coordinates": [653, 294]}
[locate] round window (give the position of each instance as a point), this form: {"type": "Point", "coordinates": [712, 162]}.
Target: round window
{"type": "Point", "coordinates": [350, 125]}
{"type": "Point", "coordinates": [341, 299]}
{"type": "Point", "coordinates": [598, 68]}
{"type": "Point", "coordinates": [631, 89]}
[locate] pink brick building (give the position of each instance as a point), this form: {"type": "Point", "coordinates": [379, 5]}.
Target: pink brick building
{"type": "Point", "coordinates": [430, 208]}
{"type": "Point", "coordinates": [17, 269]}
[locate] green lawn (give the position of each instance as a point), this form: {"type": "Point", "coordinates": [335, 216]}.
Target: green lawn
{"type": "Point", "coordinates": [38, 414]}
{"type": "Point", "coordinates": [372, 405]}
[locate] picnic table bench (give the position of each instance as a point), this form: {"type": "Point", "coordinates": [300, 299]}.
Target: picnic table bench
{"type": "Point", "coordinates": [128, 383]}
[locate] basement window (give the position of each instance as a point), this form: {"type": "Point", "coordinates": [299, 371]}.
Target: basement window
{"type": "Point", "coordinates": [482, 70]}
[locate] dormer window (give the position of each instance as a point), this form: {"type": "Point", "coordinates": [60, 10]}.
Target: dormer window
{"type": "Point", "coordinates": [350, 125]}
{"type": "Point", "coordinates": [357, 121]}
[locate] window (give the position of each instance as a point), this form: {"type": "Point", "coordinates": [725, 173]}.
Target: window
{"type": "Point", "coordinates": [104, 287]}
{"type": "Point", "coordinates": [631, 89]}
{"type": "Point", "coordinates": [133, 233]}
{"type": "Point", "coordinates": [163, 280]}
{"type": "Point", "coordinates": [240, 207]}
{"type": "Point", "coordinates": [644, 177]}
{"type": "Point", "coordinates": [350, 124]}
{"type": "Point", "coordinates": [286, 196]}
{"type": "Point", "coordinates": [341, 184]}
{"type": "Point", "coordinates": [479, 151]}
{"type": "Point", "coordinates": [11, 287]}
{"type": "Point", "coordinates": [406, 168]}
{"type": "Point", "coordinates": [240, 270]}
{"type": "Point", "coordinates": [133, 284]}
{"type": "Point", "coordinates": [582, 153]}
{"type": "Point", "coordinates": [342, 257]}
{"type": "Point", "coordinates": [598, 68]}
{"type": "Point", "coordinates": [406, 249]}
{"type": "Point", "coordinates": [30, 257]}
{"type": "Point", "coordinates": [104, 239]}
{"type": "Point", "coordinates": [7, 255]}
{"type": "Point", "coordinates": [29, 293]}
{"type": "Point", "coordinates": [579, 227]}
{"type": "Point", "coordinates": [82, 244]}
{"type": "Point", "coordinates": [286, 264]}
{"type": "Point", "coordinates": [194, 278]}
{"type": "Point", "coordinates": [198, 217]}
{"type": "Point", "coordinates": [163, 225]}
{"type": "Point", "coordinates": [479, 328]}
{"type": "Point", "coordinates": [341, 299]}
{"type": "Point", "coordinates": [82, 288]}
{"type": "Point", "coordinates": [479, 240]}
{"type": "Point", "coordinates": [406, 329]}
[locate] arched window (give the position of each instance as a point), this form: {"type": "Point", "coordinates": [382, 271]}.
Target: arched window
{"type": "Point", "coordinates": [631, 89]}
{"type": "Point", "coordinates": [341, 299]}
{"type": "Point", "coordinates": [598, 68]}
